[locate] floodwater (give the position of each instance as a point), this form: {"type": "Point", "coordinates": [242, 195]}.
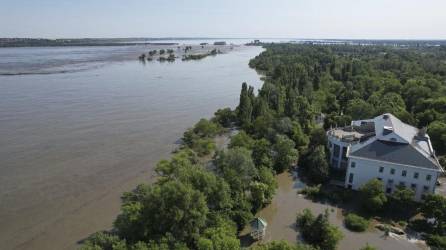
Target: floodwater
{"type": "Point", "coordinates": [281, 216]}
{"type": "Point", "coordinates": [71, 143]}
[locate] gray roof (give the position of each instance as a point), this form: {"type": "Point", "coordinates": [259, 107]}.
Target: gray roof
{"type": "Point", "coordinates": [395, 152]}
{"type": "Point", "coordinates": [258, 224]}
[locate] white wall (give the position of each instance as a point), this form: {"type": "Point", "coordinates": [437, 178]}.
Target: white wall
{"type": "Point", "coordinates": [366, 170]}
{"type": "Point", "coordinates": [335, 141]}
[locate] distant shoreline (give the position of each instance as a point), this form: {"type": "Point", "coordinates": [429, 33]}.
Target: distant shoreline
{"type": "Point", "coordinates": [64, 42]}
{"type": "Point", "coordinates": [19, 45]}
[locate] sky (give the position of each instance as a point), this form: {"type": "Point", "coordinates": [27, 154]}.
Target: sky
{"type": "Point", "coordinates": [343, 19]}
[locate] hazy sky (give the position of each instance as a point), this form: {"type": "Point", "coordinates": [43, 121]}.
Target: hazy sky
{"type": "Point", "coordinates": [405, 19]}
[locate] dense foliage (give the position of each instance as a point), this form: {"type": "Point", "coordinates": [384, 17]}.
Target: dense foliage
{"type": "Point", "coordinates": [373, 196]}
{"type": "Point", "coordinates": [354, 82]}
{"type": "Point", "coordinates": [317, 231]}
{"type": "Point", "coordinates": [282, 245]}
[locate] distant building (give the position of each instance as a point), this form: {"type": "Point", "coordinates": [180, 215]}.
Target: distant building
{"type": "Point", "coordinates": [387, 149]}
{"type": "Point", "coordinates": [220, 43]}
{"type": "Point", "coordinates": [258, 228]}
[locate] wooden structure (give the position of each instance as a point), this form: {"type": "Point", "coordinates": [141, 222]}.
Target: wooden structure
{"type": "Point", "coordinates": [258, 228]}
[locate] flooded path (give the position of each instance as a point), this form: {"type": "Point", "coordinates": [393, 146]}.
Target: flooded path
{"type": "Point", "coordinates": [281, 215]}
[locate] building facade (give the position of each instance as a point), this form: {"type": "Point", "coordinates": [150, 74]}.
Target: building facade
{"type": "Point", "coordinates": [387, 149]}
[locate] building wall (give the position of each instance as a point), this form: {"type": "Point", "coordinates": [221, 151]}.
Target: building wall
{"type": "Point", "coordinates": [365, 170]}
{"type": "Point", "coordinates": [336, 159]}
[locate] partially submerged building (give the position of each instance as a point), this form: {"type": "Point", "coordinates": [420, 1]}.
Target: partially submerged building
{"type": "Point", "coordinates": [258, 228]}
{"type": "Point", "coordinates": [388, 149]}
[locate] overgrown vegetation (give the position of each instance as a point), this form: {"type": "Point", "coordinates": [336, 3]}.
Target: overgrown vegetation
{"type": "Point", "coordinates": [317, 231]}
{"type": "Point", "coordinates": [356, 223]}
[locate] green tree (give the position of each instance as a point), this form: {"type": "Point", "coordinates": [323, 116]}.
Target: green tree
{"type": "Point", "coordinates": [169, 208]}
{"type": "Point", "coordinates": [359, 109]}
{"type": "Point", "coordinates": [221, 237]}
{"type": "Point", "coordinates": [373, 196]}
{"type": "Point", "coordinates": [285, 153]}
{"type": "Point", "coordinates": [402, 199]}
{"type": "Point", "coordinates": [105, 241]}
{"type": "Point", "coordinates": [434, 206]}
{"type": "Point", "coordinates": [236, 167]}
{"type": "Point", "coordinates": [315, 165]}
{"type": "Point", "coordinates": [225, 117]}
{"type": "Point", "coordinates": [317, 138]}
{"type": "Point", "coordinates": [437, 133]}
{"type": "Point", "coordinates": [241, 139]}
{"type": "Point", "coordinates": [262, 153]}
{"type": "Point", "coordinates": [245, 107]}
{"type": "Point", "coordinates": [281, 245]}
{"type": "Point", "coordinates": [299, 137]}
{"type": "Point", "coordinates": [318, 231]}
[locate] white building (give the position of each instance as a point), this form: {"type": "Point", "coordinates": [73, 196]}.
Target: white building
{"type": "Point", "coordinates": [387, 149]}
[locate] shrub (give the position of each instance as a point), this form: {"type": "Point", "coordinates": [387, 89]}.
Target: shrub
{"type": "Point", "coordinates": [312, 192]}
{"type": "Point", "coordinates": [356, 223]}
{"type": "Point", "coordinates": [318, 231]}
{"type": "Point", "coordinates": [436, 241]}
{"type": "Point", "coordinates": [368, 247]}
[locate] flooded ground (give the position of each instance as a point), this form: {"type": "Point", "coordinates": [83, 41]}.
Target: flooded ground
{"type": "Point", "coordinates": [281, 215]}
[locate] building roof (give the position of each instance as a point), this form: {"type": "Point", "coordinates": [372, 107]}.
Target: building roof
{"type": "Point", "coordinates": [397, 142]}
{"type": "Point", "coordinates": [394, 152]}
{"type": "Point", "coordinates": [258, 224]}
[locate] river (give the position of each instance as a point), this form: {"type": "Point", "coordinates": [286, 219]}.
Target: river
{"type": "Point", "coordinates": [71, 143]}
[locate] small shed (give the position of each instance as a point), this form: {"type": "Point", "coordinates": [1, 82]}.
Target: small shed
{"type": "Point", "coordinates": [258, 228]}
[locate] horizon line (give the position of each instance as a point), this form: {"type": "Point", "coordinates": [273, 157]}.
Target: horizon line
{"type": "Point", "coordinates": [223, 37]}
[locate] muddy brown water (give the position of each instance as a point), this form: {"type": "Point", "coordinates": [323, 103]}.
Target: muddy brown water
{"type": "Point", "coordinates": [70, 144]}
{"type": "Point", "coordinates": [281, 215]}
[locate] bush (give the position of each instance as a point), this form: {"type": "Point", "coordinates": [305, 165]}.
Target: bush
{"type": "Point", "coordinates": [368, 247]}
{"type": "Point", "coordinates": [356, 223]}
{"type": "Point", "coordinates": [317, 231]}
{"type": "Point", "coordinates": [436, 241]}
{"type": "Point", "coordinates": [312, 192]}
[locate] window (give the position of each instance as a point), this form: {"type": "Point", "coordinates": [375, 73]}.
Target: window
{"type": "Point", "coordinates": [380, 179]}
{"type": "Point", "coordinates": [413, 186]}
{"type": "Point", "coordinates": [381, 169]}
{"type": "Point", "coordinates": [415, 175]}
{"type": "Point", "coordinates": [392, 171]}
{"type": "Point", "coordinates": [336, 151]}
{"type": "Point", "coordinates": [428, 177]}
{"type": "Point", "coordinates": [350, 178]}
{"type": "Point", "coordinates": [390, 182]}
{"type": "Point", "coordinates": [425, 188]}
{"type": "Point", "coordinates": [404, 173]}
{"type": "Point", "coordinates": [353, 165]}
{"type": "Point", "coordinates": [389, 190]}
{"type": "Point", "coordinates": [344, 152]}
{"type": "Point", "coordinates": [402, 184]}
